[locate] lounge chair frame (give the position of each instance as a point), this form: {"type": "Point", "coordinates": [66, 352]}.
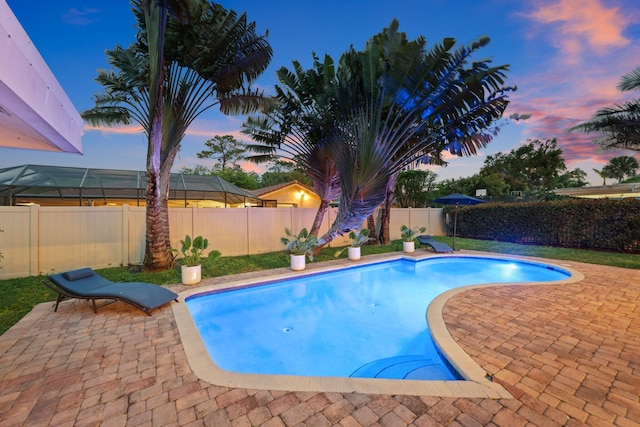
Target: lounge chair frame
{"type": "Point", "coordinates": [64, 296]}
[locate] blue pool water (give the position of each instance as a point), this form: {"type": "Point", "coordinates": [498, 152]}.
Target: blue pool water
{"type": "Point", "coordinates": [366, 321]}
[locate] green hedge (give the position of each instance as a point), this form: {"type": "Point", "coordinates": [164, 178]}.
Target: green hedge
{"type": "Point", "coordinates": [598, 224]}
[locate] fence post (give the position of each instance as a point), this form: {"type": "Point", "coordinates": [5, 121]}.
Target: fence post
{"type": "Point", "coordinates": [193, 220]}
{"type": "Point", "coordinates": [291, 220]}
{"type": "Point", "coordinates": [125, 235]}
{"type": "Point", "coordinates": [248, 229]}
{"type": "Point", "coordinates": [34, 240]}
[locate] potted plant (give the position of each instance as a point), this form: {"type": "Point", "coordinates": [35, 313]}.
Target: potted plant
{"type": "Point", "coordinates": [357, 240]}
{"type": "Point", "coordinates": [300, 246]}
{"type": "Point", "coordinates": [192, 251]}
{"type": "Point", "coordinates": [408, 234]}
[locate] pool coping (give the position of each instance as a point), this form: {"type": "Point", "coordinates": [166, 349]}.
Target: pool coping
{"type": "Point", "coordinates": [477, 383]}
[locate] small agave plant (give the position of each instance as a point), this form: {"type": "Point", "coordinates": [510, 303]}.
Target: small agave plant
{"type": "Point", "coordinates": [192, 250]}
{"type": "Point", "coordinates": [357, 240]}
{"type": "Point", "coordinates": [408, 234]}
{"type": "Point", "coordinates": [301, 243]}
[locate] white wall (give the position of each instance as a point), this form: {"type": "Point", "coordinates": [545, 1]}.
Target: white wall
{"type": "Point", "coordinates": [43, 240]}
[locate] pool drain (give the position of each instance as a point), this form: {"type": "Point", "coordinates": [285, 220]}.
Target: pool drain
{"type": "Point", "coordinates": [287, 329]}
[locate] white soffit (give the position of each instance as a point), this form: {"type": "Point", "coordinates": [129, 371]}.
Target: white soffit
{"type": "Point", "coordinates": [35, 112]}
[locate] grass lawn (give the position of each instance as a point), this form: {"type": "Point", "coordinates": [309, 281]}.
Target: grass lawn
{"type": "Point", "coordinates": [19, 296]}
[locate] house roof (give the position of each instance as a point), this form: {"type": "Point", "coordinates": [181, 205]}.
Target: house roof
{"type": "Point", "coordinates": [616, 191]}
{"type": "Point", "coordinates": [69, 182]}
{"type": "Point", "coordinates": [260, 192]}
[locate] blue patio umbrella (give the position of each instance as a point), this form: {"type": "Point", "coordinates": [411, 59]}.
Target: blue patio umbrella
{"type": "Point", "coordinates": [457, 199]}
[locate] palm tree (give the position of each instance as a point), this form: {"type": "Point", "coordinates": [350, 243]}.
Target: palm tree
{"type": "Point", "coordinates": [385, 108]}
{"type": "Point", "coordinates": [299, 129]}
{"type": "Point", "coordinates": [417, 103]}
{"type": "Point", "coordinates": [619, 125]}
{"type": "Point", "coordinates": [603, 173]}
{"type": "Point", "coordinates": [177, 70]}
{"type": "Point", "coordinates": [621, 167]}
{"type": "Point", "coordinates": [157, 240]}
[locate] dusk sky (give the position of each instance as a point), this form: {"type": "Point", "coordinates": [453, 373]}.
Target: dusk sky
{"type": "Point", "coordinates": [566, 57]}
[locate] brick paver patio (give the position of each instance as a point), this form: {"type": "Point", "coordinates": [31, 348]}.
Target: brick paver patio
{"type": "Point", "coordinates": [569, 354]}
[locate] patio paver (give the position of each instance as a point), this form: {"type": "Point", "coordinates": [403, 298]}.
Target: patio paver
{"type": "Point", "coordinates": [569, 354]}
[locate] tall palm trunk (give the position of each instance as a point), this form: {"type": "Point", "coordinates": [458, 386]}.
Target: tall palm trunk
{"type": "Point", "coordinates": [317, 222]}
{"type": "Point", "coordinates": [355, 208]}
{"type": "Point", "coordinates": [328, 189]}
{"type": "Point", "coordinates": [158, 255]}
{"type": "Point", "coordinates": [371, 225]}
{"type": "Point", "coordinates": [158, 244]}
{"type": "Point", "coordinates": [385, 215]}
{"type": "Point", "coordinates": [326, 184]}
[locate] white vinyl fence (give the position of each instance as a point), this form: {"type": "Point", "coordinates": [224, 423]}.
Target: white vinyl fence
{"type": "Point", "coordinates": [43, 240]}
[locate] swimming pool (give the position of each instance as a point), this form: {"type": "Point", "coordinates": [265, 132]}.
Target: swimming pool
{"type": "Point", "coordinates": [363, 321]}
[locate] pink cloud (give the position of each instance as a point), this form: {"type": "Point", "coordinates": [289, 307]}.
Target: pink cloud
{"type": "Point", "coordinates": [120, 130]}
{"type": "Point", "coordinates": [587, 25]}
{"type": "Point", "coordinates": [549, 119]}
{"type": "Point", "coordinates": [253, 167]}
{"type": "Point", "coordinates": [207, 134]}
{"type": "Point", "coordinates": [193, 161]}
{"type": "Point", "coordinates": [576, 75]}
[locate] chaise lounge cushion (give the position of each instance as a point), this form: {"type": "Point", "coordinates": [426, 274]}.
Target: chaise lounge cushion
{"type": "Point", "coordinates": [78, 274]}
{"type": "Point", "coordinates": [77, 284]}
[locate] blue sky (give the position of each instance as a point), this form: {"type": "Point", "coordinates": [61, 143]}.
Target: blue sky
{"type": "Point", "coordinates": [566, 58]}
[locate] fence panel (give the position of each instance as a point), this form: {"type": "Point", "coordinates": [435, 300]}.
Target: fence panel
{"type": "Point", "coordinates": [266, 227]}
{"type": "Point", "coordinates": [181, 223]}
{"type": "Point", "coordinates": [431, 218]}
{"type": "Point", "coordinates": [16, 242]}
{"type": "Point", "coordinates": [73, 237]}
{"type": "Point", "coordinates": [300, 218]}
{"type": "Point", "coordinates": [226, 229]}
{"type": "Point", "coordinates": [398, 218]}
{"type": "Point", "coordinates": [136, 230]}
{"type": "Point", "coordinates": [41, 240]}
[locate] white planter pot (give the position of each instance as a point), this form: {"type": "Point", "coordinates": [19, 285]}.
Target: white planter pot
{"type": "Point", "coordinates": [354, 253]}
{"type": "Point", "coordinates": [298, 262]}
{"type": "Point", "coordinates": [409, 247]}
{"type": "Point", "coordinates": [191, 275]}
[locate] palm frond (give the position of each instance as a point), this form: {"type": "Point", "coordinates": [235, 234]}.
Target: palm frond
{"type": "Point", "coordinates": [630, 81]}
{"type": "Point", "coordinates": [418, 105]}
{"type": "Point", "coordinates": [107, 116]}
{"type": "Point", "coordinates": [618, 126]}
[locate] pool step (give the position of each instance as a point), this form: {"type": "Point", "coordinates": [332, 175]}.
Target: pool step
{"type": "Point", "coordinates": [416, 367]}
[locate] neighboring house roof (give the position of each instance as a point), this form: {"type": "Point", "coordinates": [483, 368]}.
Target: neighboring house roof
{"type": "Point", "coordinates": [616, 191]}
{"type": "Point", "coordinates": [261, 192]}
{"type": "Point", "coordinates": [35, 112]}
{"type": "Point", "coordinates": [60, 181]}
